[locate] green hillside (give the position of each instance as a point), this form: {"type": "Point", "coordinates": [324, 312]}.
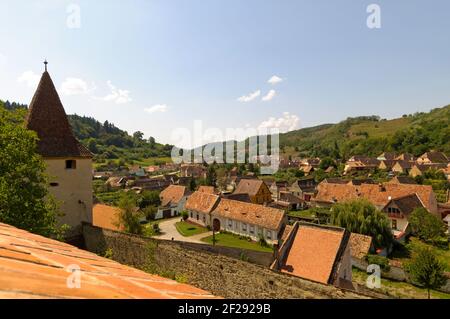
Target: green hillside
{"type": "Point", "coordinates": [106, 141]}
{"type": "Point", "coordinates": [366, 135]}
{"type": "Point", "coordinates": [414, 133]}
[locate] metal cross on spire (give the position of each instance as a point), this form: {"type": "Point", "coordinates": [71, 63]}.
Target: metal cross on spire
{"type": "Point", "coordinates": [45, 63]}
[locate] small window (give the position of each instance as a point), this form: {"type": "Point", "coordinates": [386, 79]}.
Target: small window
{"type": "Point", "coordinates": [244, 227]}
{"type": "Point", "coordinates": [269, 234]}
{"type": "Point", "coordinates": [230, 223]}
{"type": "Point", "coordinates": [394, 224]}
{"type": "Point", "coordinates": [197, 217]}
{"type": "Point", "coordinates": [192, 215]}
{"type": "Point", "coordinates": [204, 219]}
{"type": "Point", "coordinates": [54, 184]}
{"type": "Point", "coordinates": [71, 164]}
{"type": "Point", "coordinates": [252, 229]}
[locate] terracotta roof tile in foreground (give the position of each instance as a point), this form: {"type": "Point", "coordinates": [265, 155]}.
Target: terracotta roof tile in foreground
{"type": "Point", "coordinates": [32, 266]}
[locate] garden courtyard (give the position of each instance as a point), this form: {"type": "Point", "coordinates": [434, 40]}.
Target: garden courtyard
{"type": "Point", "coordinates": [179, 230]}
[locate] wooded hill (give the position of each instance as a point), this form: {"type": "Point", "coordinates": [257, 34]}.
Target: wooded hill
{"type": "Point", "coordinates": [370, 135]}
{"type": "Point", "coordinates": [107, 141]}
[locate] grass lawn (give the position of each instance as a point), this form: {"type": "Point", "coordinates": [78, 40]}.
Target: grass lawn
{"type": "Point", "coordinates": [187, 229]}
{"type": "Point", "coordinates": [399, 289]}
{"type": "Point", "coordinates": [230, 240]}
{"type": "Point", "coordinates": [302, 213]}
{"type": "Point", "coordinates": [442, 254]}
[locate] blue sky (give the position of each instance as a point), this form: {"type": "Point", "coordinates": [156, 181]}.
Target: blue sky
{"type": "Point", "coordinates": [155, 66]}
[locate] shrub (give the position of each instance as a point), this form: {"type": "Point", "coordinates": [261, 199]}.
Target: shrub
{"type": "Point", "coordinates": [381, 261]}
{"type": "Point", "coordinates": [426, 226]}
{"type": "Point", "coordinates": [156, 229]}
{"type": "Point", "coordinates": [184, 215]}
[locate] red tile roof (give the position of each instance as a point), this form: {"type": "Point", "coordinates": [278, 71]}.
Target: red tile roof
{"type": "Point", "coordinates": [32, 266]}
{"type": "Point", "coordinates": [314, 251]}
{"type": "Point", "coordinates": [206, 189]}
{"type": "Point", "coordinates": [249, 186]}
{"type": "Point", "coordinates": [105, 216]}
{"type": "Point", "coordinates": [48, 119]}
{"type": "Point", "coordinates": [172, 194]}
{"type": "Point", "coordinates": [201, 202]}
{"type": "Point", "coordinates": [360, 245]}
{"type": "Point", "coordinates": [267, 217]}
{"type": "Point", "coordinates": [378, 195]}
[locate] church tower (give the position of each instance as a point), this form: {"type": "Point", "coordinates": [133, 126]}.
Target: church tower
{"type": "Point", "coordinates": [68, 162]}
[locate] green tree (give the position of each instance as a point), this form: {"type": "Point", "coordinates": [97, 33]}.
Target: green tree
{"type": "Point", "coordinates": [211, 176]}
{"type": "Point", "coordinates": [426, 270]}
{"type": "Point", "coordinates": [327, 162]}
{"type": "Point", "coordinates": [150, 212]}
{"type": "Point", "coordinates": [24, 198]}
{"type": "Point", "coordinates": [149, 198]}
{"type": "Point", "coordinates": [129, 217]}
{"type": "Point", "coordinates": [360, 216]}
{"type": "Point", "coordinates": [425, 225]}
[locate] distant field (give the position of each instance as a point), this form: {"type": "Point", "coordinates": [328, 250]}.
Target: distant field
{"type": "Point", "coordinates": [381, 128]}
{"type": "Point", "coordinates": [143, 162]}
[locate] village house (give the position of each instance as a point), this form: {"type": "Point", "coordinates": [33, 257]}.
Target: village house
{"type": "Point", "coordinates": [245, 219]}
{"type": "Point", "coordinates": [152, 169]}
{"type": "Point", "coordinates": [432, 158]}
{"type": "Point", "coordinates": [317, 253]}
{"type": "Point", "coordinates": [387, 156]}
{"type": "Point", "coordinates": [303, 188]}
{"type": "Point", "coordinates": [256, 189]}
{"type": "Point", "coordinates": [406, 157]}
{"type": "Point", "coordinates": [137, 171]}
{"type": "Point", "coordinates": [287, 200]}
{"type": "Point", "coordinates": [402, 180]}
{"type": "Point", "coordinates": [68, 163]}
{"type": "Point", "coordinates": [378, 195]}
{"type": "Point", "coordinates": [248, 219]}
{"type": "Point", "coordinates": [360, 163]}
{"type": "Point", "coordinates": [277, 187]}
{"type": "Point", "coordinates": [420, 169]}
{"type": "Point", "coordinates": [116, 182]}
{"type": "Point", "coordinates": [199, 206]}
{"type": "Point", "coordinates": [402, 167]}
{"type": "Point", "coordinates": [150, 184]}
{"type": "Point", "coordinates": [398, 211]}
{"type": "Point", "coordinates": [193, 170]}
{"type": "Point", "coordinates": [386, 165]}
{"type": "Point", "coordinates": [173, 199]}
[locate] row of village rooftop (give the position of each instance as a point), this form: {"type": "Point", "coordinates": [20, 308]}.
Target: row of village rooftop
{"type": "Point", "coordinates": [251, 206]}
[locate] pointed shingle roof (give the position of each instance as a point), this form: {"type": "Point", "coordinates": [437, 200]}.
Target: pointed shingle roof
{"type": "Point", "coordinates": [48, 119]}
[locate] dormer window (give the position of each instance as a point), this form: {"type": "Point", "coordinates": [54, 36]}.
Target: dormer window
{"type": "Point", "coordinates": [71, 164]}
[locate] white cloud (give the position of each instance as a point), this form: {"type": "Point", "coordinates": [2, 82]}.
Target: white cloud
{"type": "Point", "coordinates": [275, 80]}
{"type": "Point", "coordinates": [270, 95]}
{"type": "Point", "coordinates": [75, 86]}
{"type": "Point", "coordinates": [288, 122]}
{"type": "Point", "coordinates": [30, 78]}
{"type": "Point", "coordinates": [250, 97]}
{"type": "Point", "coordinates": [157, 108]}
{"type": "Point", "coordinates": [117, 96]}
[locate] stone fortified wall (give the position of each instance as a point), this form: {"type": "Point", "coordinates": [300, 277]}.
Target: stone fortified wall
{"type": "Point", "coordinates": [221, 275]}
